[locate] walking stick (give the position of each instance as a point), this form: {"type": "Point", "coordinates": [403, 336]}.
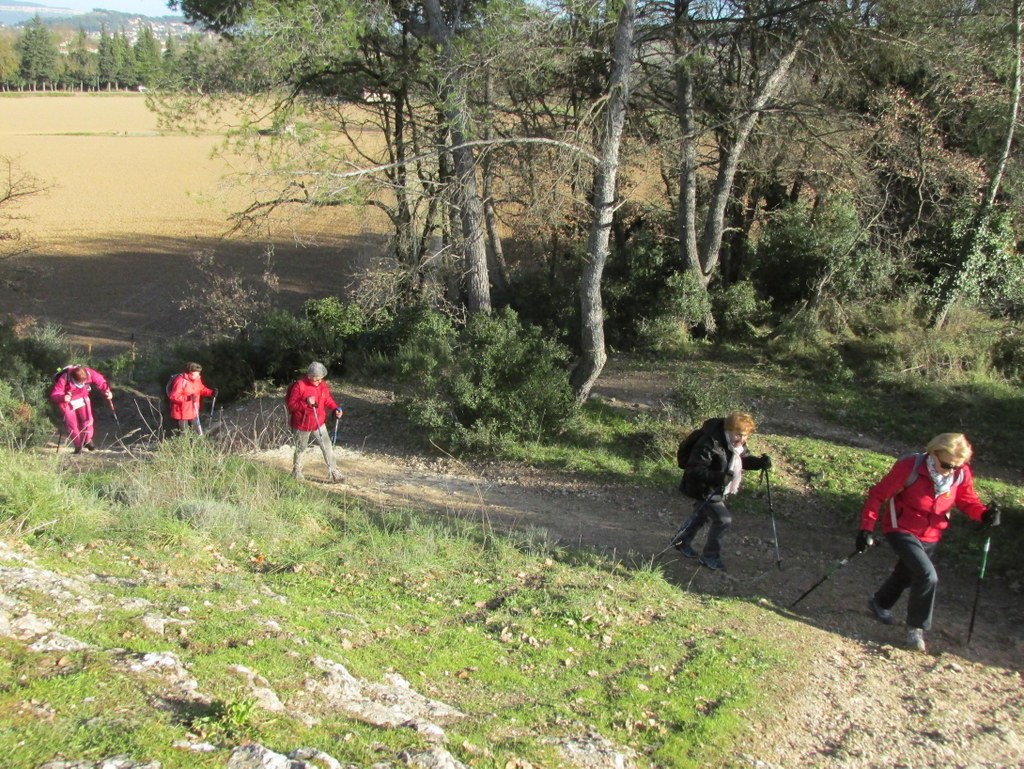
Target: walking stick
{"type": "Point", "coordinates": [771, 511]}
{"type": "Point", "coordinates": [199, 421]}
{"type": "Point", "coordinates": [334, 438]}
{"type": "Point", "coordinates": [977, 587]}
{"type": "Point", "coordinates": [831, 571]}
{"type": "Point", "coordinates": [675, 537]}
{"type": "Point", "coordinates": [117, 422]}
{"type": "Point", "coordinates": [212, 404]}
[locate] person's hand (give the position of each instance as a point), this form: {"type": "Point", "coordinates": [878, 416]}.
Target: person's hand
{"type": "Point", "coordinates": [992, 516]}
{"type": "Point", "coordinates": [865, 539]}
{"type": "Point", "coordinates": [215, 391]}
{"type": "Point", "coordinates": [766, 462]}
{"type": "Point", "coordinates": [337, 413]}
{"type": "Point", "coordinates": [311, 400]}
{"type": "Point", "coordinates": [67, 397]}
{"type": "Point", "coordinates": [108, 395]}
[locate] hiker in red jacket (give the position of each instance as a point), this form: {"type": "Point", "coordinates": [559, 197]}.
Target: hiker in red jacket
{"type": "Point", "coordinates": [70, 393]}
{"type": "Point", "coordinates": [186, 393]}
{"type": "Point", "coordinates": [915, 513]}
{"type": "Point", "coordinates": [308, 401]}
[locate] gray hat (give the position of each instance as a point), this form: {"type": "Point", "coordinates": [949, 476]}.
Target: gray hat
{"type": "Point", "coordinates": [316, 370]}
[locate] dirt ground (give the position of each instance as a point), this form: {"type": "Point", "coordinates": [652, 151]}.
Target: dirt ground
{"type": "Point", "coordinates": [863, 702]}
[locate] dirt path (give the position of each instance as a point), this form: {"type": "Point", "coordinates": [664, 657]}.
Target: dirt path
{"type": "Point", "coordinates": [863, 701]}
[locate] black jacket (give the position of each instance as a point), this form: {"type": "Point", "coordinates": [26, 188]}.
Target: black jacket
{"type": "Point", "coordinates": [705, 473]}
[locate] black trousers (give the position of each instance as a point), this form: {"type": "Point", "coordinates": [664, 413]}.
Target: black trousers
{"type": "Point", "coordinates": [915, 570]}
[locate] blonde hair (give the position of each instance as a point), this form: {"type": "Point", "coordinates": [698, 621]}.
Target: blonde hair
{"type": "Point", "coordinates": [740, 422]}
{"type": "Point", "coordinates": [954, 444]}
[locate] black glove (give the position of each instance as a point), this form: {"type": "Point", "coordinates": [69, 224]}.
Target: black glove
{"type": "Point", "coordinates": [766, 462]}
{"type": "Point", "coordinates": [865, 539]}
{"type": "Point", "coordinates": [215, 391]}
{"type": "Point", "coordinates": [992, 516]}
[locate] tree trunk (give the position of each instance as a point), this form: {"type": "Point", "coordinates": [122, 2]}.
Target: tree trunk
{"type": "Point", "coordinates": [714, 226]}
{"type": "Point", "coordinates": [980, 219]}
{"type": "Point", "coordinates": [593, 354]}
{"type": "Point", "coordinates": [470, 202]}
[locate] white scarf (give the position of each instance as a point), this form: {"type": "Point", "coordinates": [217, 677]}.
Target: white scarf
{"type": "Point", "coordinates": [735, 466]}
{"type": "Point", "coordinates": [943, 483]}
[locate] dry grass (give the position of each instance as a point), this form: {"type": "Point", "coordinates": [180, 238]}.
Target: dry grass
{"type": "Point", "coordinates": [126, 207]}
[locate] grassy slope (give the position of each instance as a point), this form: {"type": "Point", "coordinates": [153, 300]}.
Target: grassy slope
{"type": "Point", "coordinates": [528, 642]}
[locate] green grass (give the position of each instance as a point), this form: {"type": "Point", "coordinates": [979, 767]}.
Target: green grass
{"type": "Point", "coordinates": [530, 642]}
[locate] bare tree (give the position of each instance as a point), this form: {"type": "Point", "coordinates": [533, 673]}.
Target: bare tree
{"type": "Point", "coordinates": [16, 185]}
{"type": "Point", "coordinates": [592, 346]}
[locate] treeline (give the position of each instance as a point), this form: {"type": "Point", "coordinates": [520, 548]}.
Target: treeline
{"type": "Point", "coordinates": [622, 172]}
{"type": "Point", "coordinates": [38, 58]}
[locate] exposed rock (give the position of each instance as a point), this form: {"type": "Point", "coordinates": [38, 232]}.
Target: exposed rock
{"type": "Point", "coordinates": [390, 705]}
{"type": "Point", "coordinates": [595, 752]}
{"type": "Point", "coordinates": [433, 758]}
{"type": "Point", "coordinates": [116, 762]}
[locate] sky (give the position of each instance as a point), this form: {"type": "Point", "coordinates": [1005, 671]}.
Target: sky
{"type": "Point", "coordinates": [145, 7]}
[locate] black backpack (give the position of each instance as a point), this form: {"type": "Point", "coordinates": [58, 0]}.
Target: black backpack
{"type": "Point", "coordinates": [688, 443]}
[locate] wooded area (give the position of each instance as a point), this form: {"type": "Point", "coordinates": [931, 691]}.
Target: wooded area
{"type": "Point", "coordinates": [704, 166]}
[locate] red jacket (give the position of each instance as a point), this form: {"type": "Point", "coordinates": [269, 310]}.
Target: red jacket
{"type": "Point", "coordinates": [915, 509]}
{"type": "Point", "coordinates": [186, 396]}
{"type": "Point", "coordinates": [303, 416]}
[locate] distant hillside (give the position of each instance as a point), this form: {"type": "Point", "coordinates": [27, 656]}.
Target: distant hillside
{"type": "Point", "coordinates": [16, 14]}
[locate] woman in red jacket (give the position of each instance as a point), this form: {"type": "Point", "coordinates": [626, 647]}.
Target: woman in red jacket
{"type": "Point", "coordinates": [914, 501]}
{"type": "Point", "coordinates": [308, 401]}
{"type": "Point", "coordinates": [186, 394]}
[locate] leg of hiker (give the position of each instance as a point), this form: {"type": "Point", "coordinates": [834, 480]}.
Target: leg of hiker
{"type": "Point", "coordinates": [323, 440]}
{"type": "Point", "coordinates": [721, 520]}
{"type": "Point", "coordinates": [301, 440]}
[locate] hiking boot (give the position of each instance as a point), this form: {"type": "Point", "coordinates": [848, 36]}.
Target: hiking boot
{"type": "Point", "coordinates": [712, 562]}
{"type": "Point", "coordinates": [297, 475]}
{"type": "Point", "coordinates": [335, 477]}
{"type": "Point", "coordinates": [90, 447]}
{"type": "Point", "coordinates": [882, 615]}
{"type": "Point", "coordinates": [915, 639]}
{"type": "Point", "coordinates": [686, 549]}
{"type": "Point", "coordinates": [78, 449]}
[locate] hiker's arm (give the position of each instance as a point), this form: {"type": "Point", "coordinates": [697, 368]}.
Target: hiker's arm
{"type": "Point", "coordinates": [967, 501]}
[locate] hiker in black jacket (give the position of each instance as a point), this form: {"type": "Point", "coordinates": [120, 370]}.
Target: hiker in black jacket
{"type": "Point", "coordinates": [713, 472]}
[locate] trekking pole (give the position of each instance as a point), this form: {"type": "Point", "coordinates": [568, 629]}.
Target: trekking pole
{"type": "Point", "coordinates": [212, 404]}
{"type": "Point", "coordinates": [199, 422]}
{"type": "Point", "coordinates": [771, 511]}
{"type": "Point", "coordinates": [977, 587]}
{"type": "Point", "coordinates": [334, 438]}
{"type": "Point", "coordinates": [816, 585]}
{"type": "Point", "coordinates": [681, 529]}
{"type": "Point", "coordinates": [117, 422]}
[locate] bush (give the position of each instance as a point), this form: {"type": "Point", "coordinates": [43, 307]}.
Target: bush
{"type": "Point", "coordinates": [740, 311]}
{"type": "Point", "coordinates": [324, 331]}
{"type": "Point", "coordinates": [492, 383]}
{"type": "Point", "coordinates": [985, 270]}
{"type": "Point", "coordinates": [806, 254]}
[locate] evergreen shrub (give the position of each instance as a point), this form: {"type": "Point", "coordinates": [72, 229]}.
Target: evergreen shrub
{"type": "Point", "coordinates": [805, 254]}
{"type": "Point", "coordinates": [493, 382]}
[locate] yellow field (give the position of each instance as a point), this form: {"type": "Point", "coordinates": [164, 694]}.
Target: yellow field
{"type": "Point", "coordinates": [125, 209]}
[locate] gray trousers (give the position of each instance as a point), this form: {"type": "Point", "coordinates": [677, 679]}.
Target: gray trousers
{"type": "Point", "coordinates": [916, 571]}
{"type": "Point", "coordinates": [321, 438]}
{"type": "Point", "coordinates": [704, 511]}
